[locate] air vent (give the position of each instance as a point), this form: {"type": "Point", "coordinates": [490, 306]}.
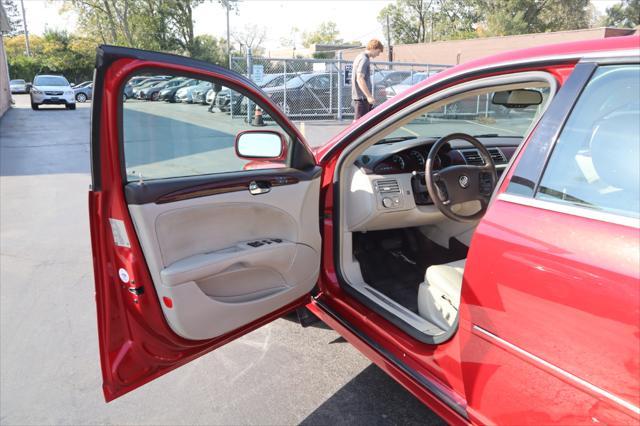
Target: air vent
{"type": "Point", "coordinates": [472, 156]}
{"type": "Point", "coordinates": [497, 156]}
{"type": "Point", "coordinates": [388, 186]}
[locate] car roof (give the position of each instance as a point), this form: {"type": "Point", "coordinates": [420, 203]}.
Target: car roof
{"type": "Point", "coordinates": [570, 51]}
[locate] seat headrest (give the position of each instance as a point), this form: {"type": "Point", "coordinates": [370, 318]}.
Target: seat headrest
{"type": "Point", "coordinates": [615, 150]}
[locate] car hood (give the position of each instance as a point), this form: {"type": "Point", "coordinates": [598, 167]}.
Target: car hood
{"type": "Point", "coordinates": [52, 88]}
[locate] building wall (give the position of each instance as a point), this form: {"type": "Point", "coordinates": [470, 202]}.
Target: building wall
{"type": "Point", "coordinates": [5, 92]}
{"type": "Point", "coordinates": [458, 51]}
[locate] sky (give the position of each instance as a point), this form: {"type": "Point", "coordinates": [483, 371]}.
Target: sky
{"type": "Point", "coordinates": [356, 19]}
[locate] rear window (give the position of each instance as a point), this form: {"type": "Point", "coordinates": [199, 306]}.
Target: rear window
{"type": "Point", "coordinates": [50, 81]}
{"type": "Point", "coordinates": [17, 81]}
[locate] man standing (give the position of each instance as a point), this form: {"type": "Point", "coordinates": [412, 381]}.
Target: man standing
{"type": "Point", "coordinates": [217, 88]}
{"type": "Point", "coordinates": [361, 92]}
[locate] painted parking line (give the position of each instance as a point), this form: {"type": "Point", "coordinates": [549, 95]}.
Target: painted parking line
{"type": "Point", "coordinates": [410, 131]}
{"type": "Point", "coordinates": [492, 127]}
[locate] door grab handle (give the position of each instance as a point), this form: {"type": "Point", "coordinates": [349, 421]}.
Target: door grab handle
{"type": "Point", "coordinates": [257, 188]}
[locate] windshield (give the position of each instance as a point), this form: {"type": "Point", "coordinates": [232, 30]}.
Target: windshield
{"type": "Point", "coordinates": [475, 115]}
{"type": "Point", "coordinates": [414, 79]}
{"type": "Point", "coordinates": [50, 81]}
{"type": "Point", "coordinates": [16, 82]}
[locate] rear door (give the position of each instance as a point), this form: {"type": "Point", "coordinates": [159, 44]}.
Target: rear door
{"type": "Point", "coordinates": [550, 302]}
{"type": "Point", "coordinates": [195, 242]}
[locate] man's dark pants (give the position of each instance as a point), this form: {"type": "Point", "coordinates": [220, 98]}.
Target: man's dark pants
{"type": "Point", "coordinates": [361, 107]}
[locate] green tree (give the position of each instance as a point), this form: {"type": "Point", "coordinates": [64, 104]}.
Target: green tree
{"type": "Point", "coordinates": [326, 33]}
{"type": "Point", "coordinates": [148, 24]}
{"type": "Point", "coordinates": [14, 15]}
{"type": "Point", "coordinates": [210, 49]}
{"type": "Point", "coordinates": [624, 14]}
{"type": "Point", "coordinates": [509, 17]}
{"type": "Point", "coordinates": [419, 21]}
{"type": "Point", "coordinates": [55, 52]}
{"type": "Point", "coordinates": [409, 20]}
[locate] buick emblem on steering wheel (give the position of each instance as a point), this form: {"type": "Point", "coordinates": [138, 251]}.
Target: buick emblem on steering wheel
{"type": "Point", "coordinates": [463, 181]}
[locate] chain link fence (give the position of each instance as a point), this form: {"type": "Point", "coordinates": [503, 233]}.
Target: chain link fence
{"type": "Point", "coordinates": [318, 89]}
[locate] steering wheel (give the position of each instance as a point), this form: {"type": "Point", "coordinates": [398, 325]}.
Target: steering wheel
{"type": "Point", "coordinates": [460, 183]}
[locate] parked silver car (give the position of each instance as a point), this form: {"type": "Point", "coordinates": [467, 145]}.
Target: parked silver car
{"type": "Point", "coordinates": [84, 93]}
{"type": "Point", "coordinates": [52, 90]}
{"type": "Point", "coordinates": [18, 86]}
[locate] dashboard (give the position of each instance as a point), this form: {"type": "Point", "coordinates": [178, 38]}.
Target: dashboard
{"type": "Point", "coordinates": [387, 183]}
{"type": "Point", "coordinates": [409, 156]}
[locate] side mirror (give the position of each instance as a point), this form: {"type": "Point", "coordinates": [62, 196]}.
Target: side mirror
{"type": "Point", "coordinates": [266, 144]}
{"type": "Point", "coordinates": [520, 98]}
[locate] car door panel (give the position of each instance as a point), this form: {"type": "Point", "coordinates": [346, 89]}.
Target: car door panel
{"type": "Point", "coordinates": [175, 276]}
{"type": "Point", "coordinates": [199, 254]}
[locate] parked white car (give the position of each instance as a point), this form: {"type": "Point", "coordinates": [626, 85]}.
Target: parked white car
{"type": "Point", "coordinates": [52, 90]}
{"type": "Point", "coordinates": [18, 86]}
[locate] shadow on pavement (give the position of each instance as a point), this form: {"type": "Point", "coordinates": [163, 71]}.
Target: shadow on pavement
{"type": "Point", "coordinates": [372, 398]}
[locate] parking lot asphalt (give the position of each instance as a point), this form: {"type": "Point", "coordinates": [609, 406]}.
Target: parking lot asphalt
{"type": "Point", "coordinates": [49, 364]}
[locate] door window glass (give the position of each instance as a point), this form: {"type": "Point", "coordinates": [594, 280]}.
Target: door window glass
{"type": "Point", "coordinates": [171, 130]}
{"type": "Point", "coordinates": [596, 160]}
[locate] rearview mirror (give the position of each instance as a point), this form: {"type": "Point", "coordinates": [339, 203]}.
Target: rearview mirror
{"type": "Point", "coordinates": [260, 144]}
{"type": "Point", "coordinates": [520, 98]}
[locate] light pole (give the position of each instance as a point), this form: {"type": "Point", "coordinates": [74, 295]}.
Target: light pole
{"type": "Point", "coordinates": [227, 6]}
{"type": "Point", "coordinates": [26, 31]}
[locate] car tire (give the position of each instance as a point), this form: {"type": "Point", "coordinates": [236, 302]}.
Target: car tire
{"type": "Point", "coordinates": [34, 106]}
{"type": "Point", "coordinates": [71, 106]}
{"type": "Point", "coordinates": [81, 97]}
{"type": "Point", "coordinates": [154, 96]}
{"type": "Point", "coordinates": [124, 97]}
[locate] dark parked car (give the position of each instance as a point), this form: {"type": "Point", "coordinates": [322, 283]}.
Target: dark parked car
{"type": "Point", "coordinates": [146, 84]}
{"type": "Point", "coordinates": [389, 78]}
{"type": "Point", "coordinates": [313, 93]}
{"type": "Point", "coordinates": [153, 92]}
{"type": "Point", "coordinates": [169, 94]}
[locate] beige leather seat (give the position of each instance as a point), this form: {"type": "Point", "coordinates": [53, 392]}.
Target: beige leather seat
{"type": "Point", "coordinates": [439, 294]}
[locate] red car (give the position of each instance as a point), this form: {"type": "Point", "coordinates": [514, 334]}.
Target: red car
{"type": "Point", "coordinates": [490, 263]}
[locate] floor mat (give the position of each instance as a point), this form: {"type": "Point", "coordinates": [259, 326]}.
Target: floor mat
{"type": "Point", "coordinates": [394, 261]}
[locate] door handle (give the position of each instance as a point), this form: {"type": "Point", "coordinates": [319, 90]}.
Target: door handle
{"type": "Point", "coordinates": [259, 187]}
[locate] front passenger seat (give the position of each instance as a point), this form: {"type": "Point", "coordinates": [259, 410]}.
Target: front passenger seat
{"type": "Point", "coordinates": [439, 294]}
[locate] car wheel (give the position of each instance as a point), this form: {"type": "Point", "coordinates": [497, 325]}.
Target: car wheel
{"type": "Point", "coordinates": [34, 106]}
{"type": "Point", "coordinates": [154, 96]}
{"type": "Point", "coordinates": [81, 97]}
{"type": "Point", "coordinates": [124, 97]}
{"type": "Point", "coordinates": [71, 106]}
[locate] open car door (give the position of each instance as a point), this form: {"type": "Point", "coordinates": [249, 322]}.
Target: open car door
{"type": "Point", "coordinates": [203, 226]}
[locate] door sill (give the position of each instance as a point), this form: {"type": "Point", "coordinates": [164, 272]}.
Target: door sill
{"type": "Point", "coordinates": [435, 389]}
